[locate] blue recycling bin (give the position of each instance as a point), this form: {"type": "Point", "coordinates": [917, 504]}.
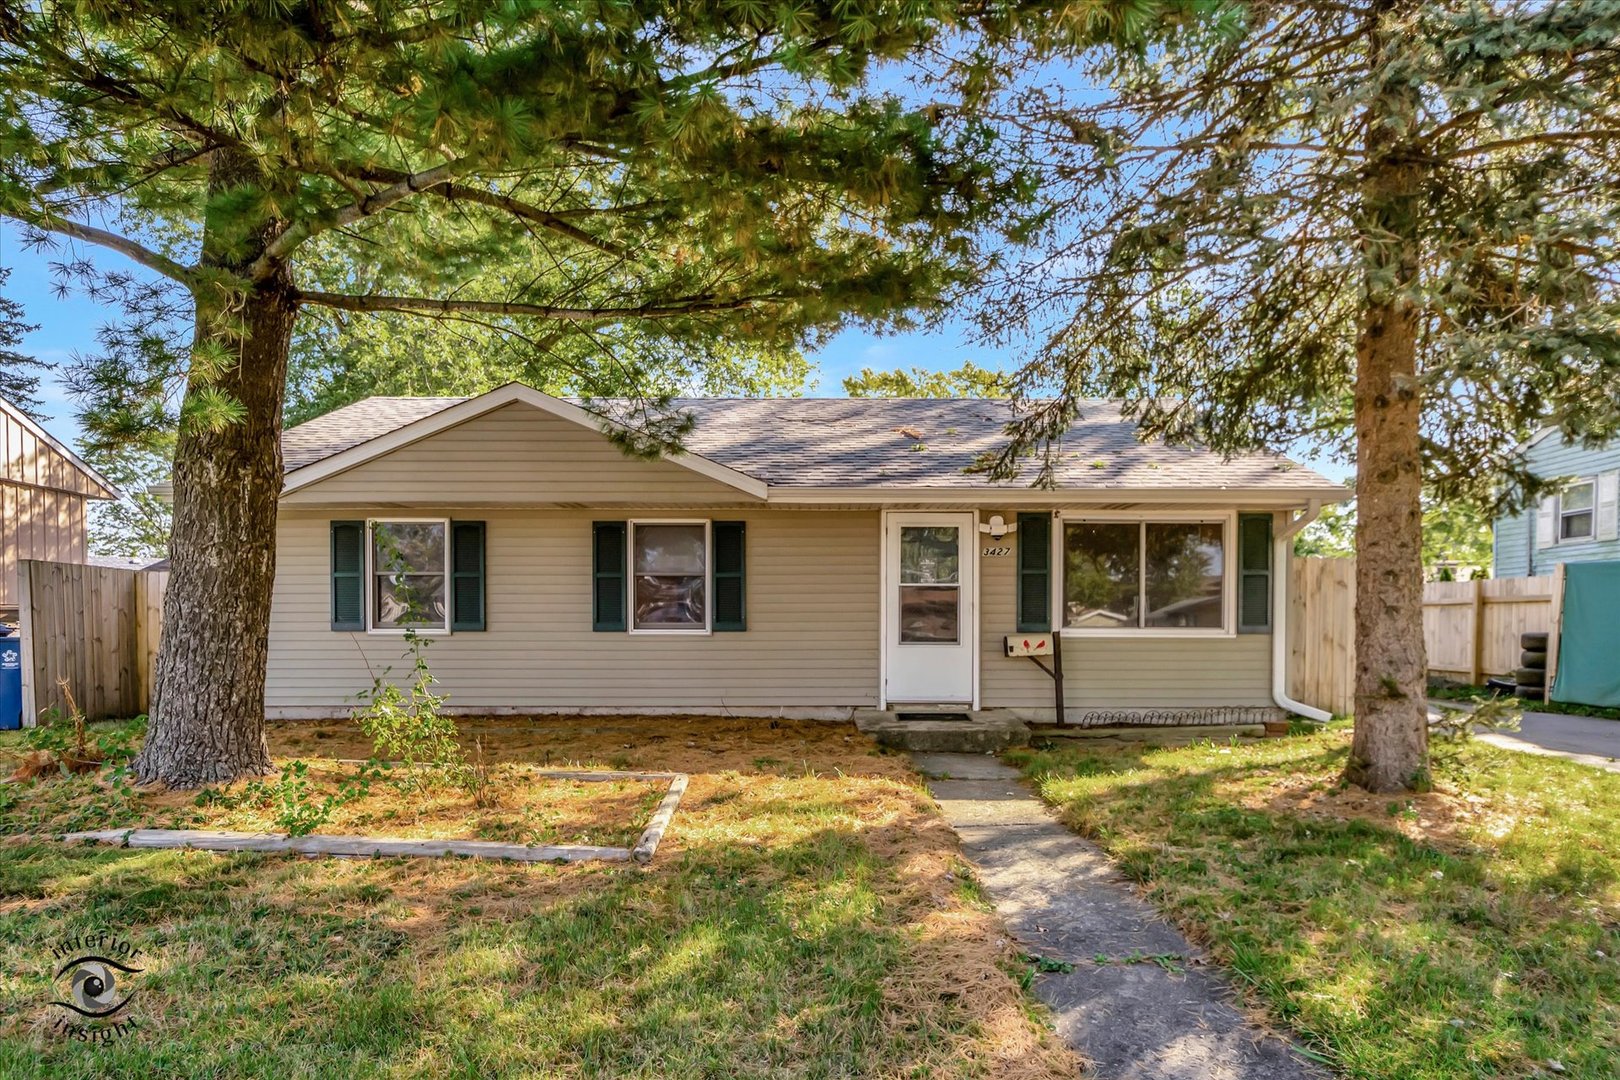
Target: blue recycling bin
{"type": "Point", "coordinates": [10, 683]}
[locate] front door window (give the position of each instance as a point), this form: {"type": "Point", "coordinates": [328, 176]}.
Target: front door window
{"type": "Point", "coordinates": [930, 584]}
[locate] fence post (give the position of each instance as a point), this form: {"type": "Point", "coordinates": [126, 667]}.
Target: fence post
{"type": "Point", "coordinates": [1553, 631]}
{"type": "Point", "coordinates": [1476, 663]}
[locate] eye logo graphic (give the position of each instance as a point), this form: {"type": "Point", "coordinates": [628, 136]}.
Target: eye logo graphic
{"type": "Point", "coordinates": [94, 987]}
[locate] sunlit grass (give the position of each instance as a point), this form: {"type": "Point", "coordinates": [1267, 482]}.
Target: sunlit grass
{"type": "Point", "coordinates": [1470, 932]}
{"type": "Point", "coordinates": [805, 919]}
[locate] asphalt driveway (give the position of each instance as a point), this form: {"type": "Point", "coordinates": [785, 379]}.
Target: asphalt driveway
{"type": "Point", "coordinates": [1586, 739]}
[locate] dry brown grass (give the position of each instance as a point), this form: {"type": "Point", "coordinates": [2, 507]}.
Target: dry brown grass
{"type": "Point", "coordinates": [790, 833]}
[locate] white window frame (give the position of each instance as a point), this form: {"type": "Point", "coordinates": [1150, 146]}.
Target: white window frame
{"type": "Point", "coordinates": [630, 578]}
{"type": "Point", "coordinates": [1226, 519]}
{"type": "Point", "coordinates": [1592, 511]}
{"type": "Point", "coordinates": [371, 580]}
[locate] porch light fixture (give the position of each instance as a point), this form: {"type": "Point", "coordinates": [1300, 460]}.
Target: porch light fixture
{"type": "Point", "coordinates": [997, 527]}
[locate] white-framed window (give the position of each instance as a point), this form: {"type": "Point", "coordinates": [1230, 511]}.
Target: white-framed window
{"type": "Point", "coordinates": [407, 575]}
{"type": "Point", "coordinates": [1148, 575]}
{"type": "Point", "coordinates": [670, 568]}
{"type": "Point", "coordinates": [1577, 511]}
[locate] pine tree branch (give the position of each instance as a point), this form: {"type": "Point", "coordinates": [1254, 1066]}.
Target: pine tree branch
{"type": "Point", "coordinates": [471, 193]}
{"type": "Point", "coordinates": [1544, 138]}
{"type": "Point", "coordinates": [696, 305]}
{"type": "Point", "coordinates": [133, 250]}
{"type": "Point", "coordinates": [285, 244]}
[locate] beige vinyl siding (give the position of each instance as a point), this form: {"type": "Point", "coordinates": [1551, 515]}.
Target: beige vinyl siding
{"type": "Point", "coordinates": [1113, 673]}
{"type": "Point", "coordinates": [515, 456]}
{"type": "Point", "coordinates": [37, 523]}
{"type": "Point", "coordinates": [811, 640]}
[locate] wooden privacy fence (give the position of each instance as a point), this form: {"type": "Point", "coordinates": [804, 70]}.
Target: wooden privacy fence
{"type": "Point", "coordinates": [1470, 628]}
{"type": "Point", "coordinates": [96, 627]}
{"type": "Point", "coordinates": [1322, 633]}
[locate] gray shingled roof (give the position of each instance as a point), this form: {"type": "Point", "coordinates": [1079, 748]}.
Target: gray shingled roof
{"type": "Point", "coordinates": [352, 425]}
{"type": "Point", "coordinates": [873, 442]}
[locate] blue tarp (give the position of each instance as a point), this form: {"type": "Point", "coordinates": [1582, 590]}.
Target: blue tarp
{"type": "Point", "coordinates": [1589, 635]}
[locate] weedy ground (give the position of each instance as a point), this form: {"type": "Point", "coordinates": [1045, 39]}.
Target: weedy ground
{"type": "Point", "coordinates": [807, 915]}
{"type": "Point", "coordinates": [1470, 931]}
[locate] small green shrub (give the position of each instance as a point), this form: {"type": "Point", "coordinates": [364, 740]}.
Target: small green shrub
{"type": "Point", "coordinates": [408, 725]}
{"type": "Point", "coordinates": [293, 808]}
{"type": "Point", "coordinates": [70, 737]}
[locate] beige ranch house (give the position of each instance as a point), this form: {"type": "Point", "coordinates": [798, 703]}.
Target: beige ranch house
{"type": "Point", "coordinates": [804, 557]}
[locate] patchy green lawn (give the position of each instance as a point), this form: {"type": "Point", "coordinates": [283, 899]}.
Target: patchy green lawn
{"type": "Point", "coordinates": [1469, 932]}
{"type": "Point", "coordinates": [806, 916]}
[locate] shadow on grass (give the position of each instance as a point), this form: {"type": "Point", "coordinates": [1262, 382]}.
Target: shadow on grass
{"type": "Point", "coordinates": [1487, 952]}
{"type": "Point", "coordinates": [802, 953]}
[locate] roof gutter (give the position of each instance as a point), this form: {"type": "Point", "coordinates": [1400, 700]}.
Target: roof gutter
{"type": "Point", "coordinates": [1006, 496]}
{"type": "Point", "coordinates": [1279, 618]}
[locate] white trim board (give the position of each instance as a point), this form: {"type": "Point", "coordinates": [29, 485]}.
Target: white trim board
{"type": "Point", "coordinates": [923, 498]}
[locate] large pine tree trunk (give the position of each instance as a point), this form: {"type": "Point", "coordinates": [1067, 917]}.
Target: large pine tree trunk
{"type": "Point", "coordinates": [1390, 749]}
{"type": "Point", "coordinates": [207, 717]}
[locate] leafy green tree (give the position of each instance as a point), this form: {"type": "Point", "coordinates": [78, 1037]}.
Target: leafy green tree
{"type": "Point", "coordinates": [18, 382]}
{"type": "Point", "coordinates": [1455, 534]}
{"type": "Point", "coordinates": [338, 357]}
{"type": "Point", "coordinates": [1391, 223]}
{"type": "Point", "coordinates": [967, 381]}
{"type": "Point", "coordinates": [710, 168]}
{"type": "Point", "coordinates": [1457, 538]}
{"type": "Point", "coordinates": [1330, 536]}
{"type": "Point", "coordinates": [138, 524]}
{"type": "Point", "coordinates": [344, 359]}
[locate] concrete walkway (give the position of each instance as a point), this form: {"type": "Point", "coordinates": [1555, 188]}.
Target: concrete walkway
{"type": "Point", "coordinates": [1139, 1002]}
{"type": "Point", "coordinates": [1586, 739]}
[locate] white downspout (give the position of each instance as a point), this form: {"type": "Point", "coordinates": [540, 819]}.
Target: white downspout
{"type": "Point", "coordinates": [1279, 618]}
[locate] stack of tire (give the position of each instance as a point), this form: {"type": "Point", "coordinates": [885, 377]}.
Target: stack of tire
{"type": "Point", "coordinates": [1531, 675]}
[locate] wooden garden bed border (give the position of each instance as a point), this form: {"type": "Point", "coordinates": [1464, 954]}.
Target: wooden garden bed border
{"type": "Point", "coordinates": [317, 844]}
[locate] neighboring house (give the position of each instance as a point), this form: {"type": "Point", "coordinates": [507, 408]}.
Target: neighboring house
{"type": "Point", "coordinates": [804, 557]}
{"type": "Point", "coordinates": [1579, 524]}
{"type": "Point", "coordinates": [44, 490]}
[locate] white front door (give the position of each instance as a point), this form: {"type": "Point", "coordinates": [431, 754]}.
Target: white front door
{"type": "Point", "coordinates": [930, 623]}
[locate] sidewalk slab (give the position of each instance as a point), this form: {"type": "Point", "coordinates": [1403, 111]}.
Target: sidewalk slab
{"type": "Point", "coordinates": [1129, 992]}
{"type": "Point", "coordinates": [1139, 1022]}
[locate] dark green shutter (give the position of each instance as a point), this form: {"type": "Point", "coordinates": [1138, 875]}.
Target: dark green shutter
{"type": "Point", "coordinates": [467, 575]}
{"type": "Point", "coordinates": [1034, 573]}
{"type": "Point", "coordinates": [348, 575]}
{"type": "Point", "coordinates": [607, 577]}
{"type": "Point", "coordinates": [1254, 573]}
{"type": "Point", "coordinates": [730, 566]}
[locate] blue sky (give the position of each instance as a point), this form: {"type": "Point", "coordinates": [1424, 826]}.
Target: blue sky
{"type": "Point", "coordinates": [68, 325]}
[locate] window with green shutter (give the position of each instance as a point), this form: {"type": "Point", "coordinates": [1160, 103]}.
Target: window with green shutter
{"type": "Point", "coordinates": [607, 576]}
{"type": "Point", "coordinates": [1254, 573]}
{"type": "Point", "coordinates": [467, 575]}
{"type": "Point", "coordinates": [348, 575]}
{"type": "Point", "coordinates": [1034, 573]}
{"type": "Point", "coordinates": [730, 566]}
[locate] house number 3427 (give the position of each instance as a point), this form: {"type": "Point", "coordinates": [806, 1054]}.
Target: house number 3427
{"type": "Point", "coordinates": [996, 552]}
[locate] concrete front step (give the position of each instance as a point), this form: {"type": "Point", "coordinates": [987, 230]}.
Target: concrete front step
{"type": "Point", "coordinates": [984, 731]}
